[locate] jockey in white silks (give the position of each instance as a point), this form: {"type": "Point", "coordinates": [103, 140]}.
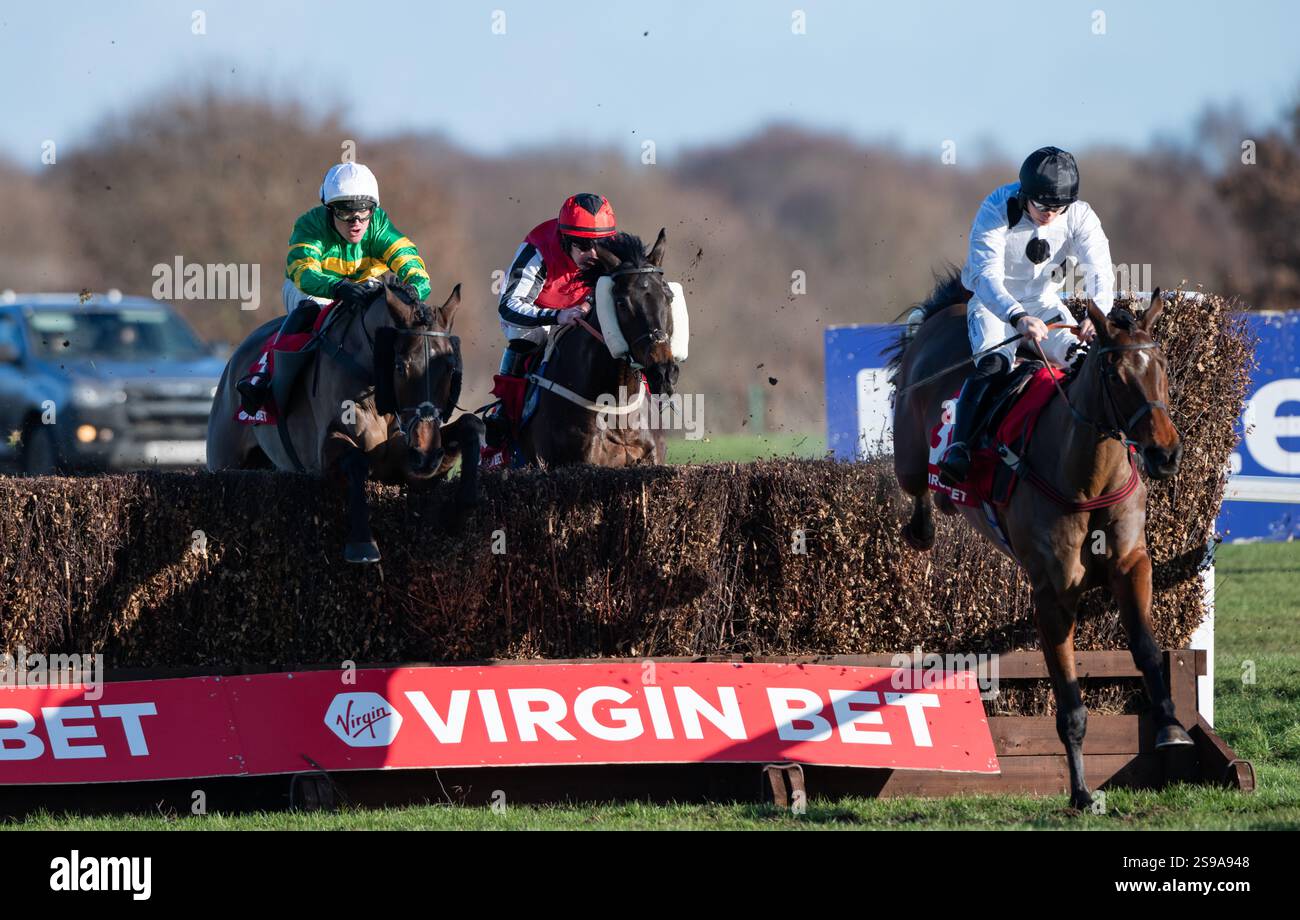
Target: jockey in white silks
{"type": "Point", "coordinates": [1019, 242]}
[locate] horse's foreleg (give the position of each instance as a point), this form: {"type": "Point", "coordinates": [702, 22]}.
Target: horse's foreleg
{"type": "Point", "coordinates": [918, 532]}
{"type": "Point", "coordinates": [1056, 634]}
{"type": "Point", "coordinates": [342, 455]}
{"type": "Point", "coordinates": [465, 437]}
{"type": "Point", "coordinates": [911, 468]}
{"type": "Point", "coordinates": [1130, 582]}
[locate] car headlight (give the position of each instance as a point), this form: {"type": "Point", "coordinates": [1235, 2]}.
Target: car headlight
{"type": "Point", "coordinates": [88, 396]}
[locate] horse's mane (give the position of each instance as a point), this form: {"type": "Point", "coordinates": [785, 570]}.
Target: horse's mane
{"type": "Point", "coordinates": [1124, 318]}
{"type": "Point", "coordinates": [948, 290]}
{"type": "Point", "coordinates": [626, 246]}
{"type": "Point", "coordinates": [409, 296]}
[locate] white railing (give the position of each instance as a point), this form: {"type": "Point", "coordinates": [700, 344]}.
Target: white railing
{"type": "Point", "coordinates": [1262, 489]}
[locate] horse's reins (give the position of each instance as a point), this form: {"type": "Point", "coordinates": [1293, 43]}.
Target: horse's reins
{"type": "Point", "coordinates": [976, 356]}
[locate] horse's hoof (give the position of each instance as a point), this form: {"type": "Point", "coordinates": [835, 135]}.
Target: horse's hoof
{"type": "Point", "coordinates": [921, 546]}
{"type": "Point", "coordinates": [1172, 736]}
{"type": "Point", "coordinates": [1081, 801]}
{"type": "Point", "coordinates": [361, 552]}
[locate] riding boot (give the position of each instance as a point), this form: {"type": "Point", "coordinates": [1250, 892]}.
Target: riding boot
{"type": "Point", "coordinates": [510, 382]}
{"type": "Point", "coordinates": [955, 465]}
{"type": "Point", "coordinates": [255, 388]}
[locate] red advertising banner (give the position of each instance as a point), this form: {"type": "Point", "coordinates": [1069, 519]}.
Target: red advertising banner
{"type": "Point", "coordinates": [500, 715]}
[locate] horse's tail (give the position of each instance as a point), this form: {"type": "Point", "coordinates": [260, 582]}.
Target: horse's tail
{"type": "Point", "coordinates": [948, 290]}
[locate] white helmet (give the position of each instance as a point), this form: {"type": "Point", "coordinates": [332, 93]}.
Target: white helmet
{"type": "Point", "coordinates": [351, 183]}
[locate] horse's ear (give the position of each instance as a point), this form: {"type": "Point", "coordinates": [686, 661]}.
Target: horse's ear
{"type": "Point", "coordinates": [656, 253]}
{"type": "Point", "coordinates": [402, 314]}
{"type": "Point", "coordinates": [1099, 320]}
{"type": "Point", "coordinates": [448, 308]}
{"type": "Point", "coordinates": [1148, 319]}
{"type": "Point", "coordinates": [608, 260]}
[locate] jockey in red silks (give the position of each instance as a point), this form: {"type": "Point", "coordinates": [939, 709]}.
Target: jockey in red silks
{"type": "Point", "coordinates": [543, 289]}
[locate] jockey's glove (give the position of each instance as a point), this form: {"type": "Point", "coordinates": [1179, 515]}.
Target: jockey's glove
{"type": "Point", "coordinates": [352, 293]}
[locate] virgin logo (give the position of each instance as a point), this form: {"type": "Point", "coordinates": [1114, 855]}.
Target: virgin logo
{"type": "Point", "coordinates": [363, 719]}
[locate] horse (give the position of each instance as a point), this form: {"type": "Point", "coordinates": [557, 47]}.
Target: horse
{"type": "Point", "coordinates": [386, 379]}
{"type": "Point", "coordinates": [571, 427]}
{"type": "Point", "coordinates": [1081, 462]}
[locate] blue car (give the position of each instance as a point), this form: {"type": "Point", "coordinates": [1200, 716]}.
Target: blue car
{"type": "Point", "coordinates": [101, 382]}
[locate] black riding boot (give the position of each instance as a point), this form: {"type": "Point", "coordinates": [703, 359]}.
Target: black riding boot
{"type": "Point", "coordinates": [955, 465]}
{"type": "Point", "coordinates": [254, 389]}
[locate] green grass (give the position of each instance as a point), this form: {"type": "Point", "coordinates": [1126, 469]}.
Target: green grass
{"type": "Point", "coordinates": [1257, 664]}
{"type": "Point", "coordinates": [1176, 807]}
{"type": "Point", "coordinates": [741, 448]}
{"type": "Point", "coordinates": [1257, 622]}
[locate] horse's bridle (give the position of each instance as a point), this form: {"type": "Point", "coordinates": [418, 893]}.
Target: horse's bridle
{"type": "Point", "coordinates": [426, 410]}
{"type": "Point", "coordinates": [381, 378]}
{"type": "Point", "coordinates": [1118, 432]}
{"type": "Point", "coordinates": [656, 336]}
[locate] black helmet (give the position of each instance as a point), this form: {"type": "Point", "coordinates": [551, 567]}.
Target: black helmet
{"type": "Point", "coordinates": [1051, 176]}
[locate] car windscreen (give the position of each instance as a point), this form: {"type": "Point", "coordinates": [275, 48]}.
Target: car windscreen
{"type": "Point", "coordinates": [119, 335]}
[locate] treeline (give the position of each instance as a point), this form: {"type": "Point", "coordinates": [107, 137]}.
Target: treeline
{"type": "Point", "coordinates": [775, 237]}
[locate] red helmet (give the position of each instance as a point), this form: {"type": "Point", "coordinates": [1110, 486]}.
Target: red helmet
{"type": "Point", "coordinates": [587, 215]}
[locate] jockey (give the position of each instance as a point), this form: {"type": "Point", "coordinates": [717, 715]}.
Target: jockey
{"type": "Point", "coordinates": [543, 289]}
{"type": "Point", "coordinates": [1020, 239]}
{"type": "Point", "coordinates": [333, 249]}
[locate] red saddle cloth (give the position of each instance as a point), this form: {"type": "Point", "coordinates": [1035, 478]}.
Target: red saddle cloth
{"type": "Point", "coordinates": [265, 365]}
{"type": "Point", "coordinates": [1017, 426]}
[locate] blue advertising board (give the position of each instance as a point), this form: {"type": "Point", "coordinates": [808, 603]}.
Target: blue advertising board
{"type": "Point", "coordinates": [1267, 458]}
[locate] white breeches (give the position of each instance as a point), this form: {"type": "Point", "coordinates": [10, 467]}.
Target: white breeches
{"type": "Point", "coordinates": [291, 296]}
{"type": "Point", "coordinates": [986, 330]}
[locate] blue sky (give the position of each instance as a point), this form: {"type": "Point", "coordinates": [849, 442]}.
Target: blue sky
{"type": "Point", "coordinates": [1005, 73]}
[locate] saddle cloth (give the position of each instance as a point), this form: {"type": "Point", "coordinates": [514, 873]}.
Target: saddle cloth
{"type": "Point", "coordinates": [990, 480]}
{"type": "Point", "coordinates": [293, 343]}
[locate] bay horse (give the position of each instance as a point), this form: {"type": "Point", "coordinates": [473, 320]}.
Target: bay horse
{"type": "Point", "coordinates": [376, 402]}
{"type": "Point", "coordinates": [570, 424]}
{"type": "Point", "coordinates": [1080, 462]}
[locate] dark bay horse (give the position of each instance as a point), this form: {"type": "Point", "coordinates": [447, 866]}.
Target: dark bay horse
{"type": "Point", "coordinates": [573, 426]}
{"type": "Point", "coordinates": [1078, 449]}
{"type": "Point", "coordinates": [377, 402]}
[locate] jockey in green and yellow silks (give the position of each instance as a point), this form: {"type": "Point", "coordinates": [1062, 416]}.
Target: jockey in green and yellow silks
{"type": "Point", "coordinates": [334, 248]}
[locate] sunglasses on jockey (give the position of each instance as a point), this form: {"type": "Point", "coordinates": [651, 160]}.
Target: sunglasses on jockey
{"type": "Point", "coordinates": [581, 243]}
{"type": "Point", "coordinates": [1049, 208]}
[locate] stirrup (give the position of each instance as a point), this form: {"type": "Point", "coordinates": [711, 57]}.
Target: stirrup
{"type": "Point", "coordinates": [953, 472]}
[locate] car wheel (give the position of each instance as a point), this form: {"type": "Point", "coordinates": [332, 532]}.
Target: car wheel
{"type": "Point", "coordinates": [41, 453]}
